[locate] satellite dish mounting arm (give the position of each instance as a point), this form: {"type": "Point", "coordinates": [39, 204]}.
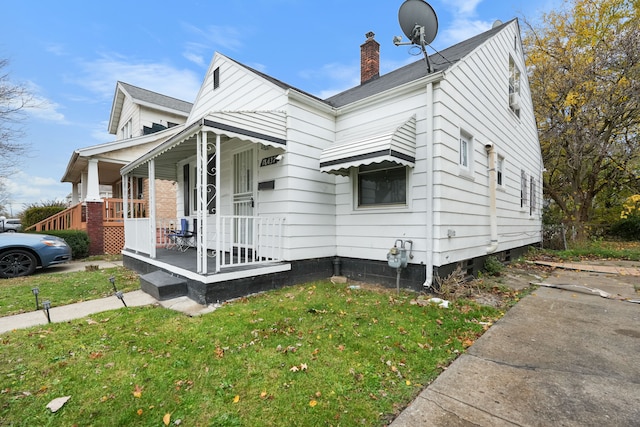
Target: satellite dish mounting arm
{"type": "Point", "coordinates": [417, 37]}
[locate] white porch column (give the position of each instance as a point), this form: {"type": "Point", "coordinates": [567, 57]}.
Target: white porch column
{"type": "Point", "coordinates": [83, 187]}
{"type": "Point", "coordinates": [152, 207]}
{"type": "Point", "coordinates": [201, 214]}
{"type": "Point", "coordinates": [125, 197]}
{"type": "Point", "coordinates": [218, 250]}
{"type": "Point", "coordinates": [75, 193]}
{"type": "Point", "coordinates": [93, 182]}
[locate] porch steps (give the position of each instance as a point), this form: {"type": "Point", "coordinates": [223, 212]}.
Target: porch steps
{"type": "Point", "coordinates": [163, 286]}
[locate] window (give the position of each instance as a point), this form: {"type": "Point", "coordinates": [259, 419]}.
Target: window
{"type": "Point", "coordinates": [514, 87]}
{"type": "Point", "coordinates": [127, 130]}
{"type": "Point", "coordinates": [216, 78]}
{"type": "Point", "coordinates": [532, 192]}
{"type": "Point", "coordinates": [523, 189]}
{"type": "Point", "coordinates": [382, 184]}
{"type": "Point", "coordinates": [500, 171]}
{"type": "Point", "coordinates": [466, 155]}
{"type": "Point", "coordinates": [464, 151]}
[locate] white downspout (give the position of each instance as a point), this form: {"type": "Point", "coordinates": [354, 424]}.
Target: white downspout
{"type": "Point", "coordinates": [493, 214]}
{"type": "Point", "coordinates": [429, 190]}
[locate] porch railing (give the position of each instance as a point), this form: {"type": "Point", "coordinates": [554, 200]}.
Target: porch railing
{"type": "Point", "coordinates": [75, 217]}
{"type": "Point", "coordinates": [244, 240]}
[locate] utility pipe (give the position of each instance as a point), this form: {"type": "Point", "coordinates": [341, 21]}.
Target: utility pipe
{"type": "Point", "coordinates": [493, 214]}
{"type": "Point", "coordinates": [429, 229]}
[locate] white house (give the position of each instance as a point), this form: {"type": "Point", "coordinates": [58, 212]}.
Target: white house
{"type": "Point", "coordinates": [279, 186]}
{"type": "Point", "coordinates": [139, 120]}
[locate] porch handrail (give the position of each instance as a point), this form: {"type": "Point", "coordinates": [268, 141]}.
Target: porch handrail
{"type": "Point", "coordinates": [113, 209]}
{"type": "Point", "coordinates": [247, 240]}
{"type": "Point", "coordinates": [72, 218]}
{"type": "Point", "coordinates": [75, 217]}
{"type": "Point", "coordinates": [244, 240]}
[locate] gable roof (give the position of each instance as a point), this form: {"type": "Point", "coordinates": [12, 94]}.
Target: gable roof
{"type": "Point", "coordinates": [144, 97]}
{"type": "Point", "coordinates": [273, 80]}
{"type": "Point", "coordinates": [440, 61]}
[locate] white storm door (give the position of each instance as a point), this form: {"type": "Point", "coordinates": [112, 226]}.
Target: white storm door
{"type": "Point", "coordinates": [243, 198]}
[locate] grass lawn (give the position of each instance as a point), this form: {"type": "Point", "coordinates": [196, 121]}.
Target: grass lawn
{"type": "Point", "coordinates": [312, 355]}
{"type": "Point", "coordinates": [16, 294]}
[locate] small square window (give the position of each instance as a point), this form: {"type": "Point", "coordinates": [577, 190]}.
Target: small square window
{"type": "Point", "coordinates": [382, 184]}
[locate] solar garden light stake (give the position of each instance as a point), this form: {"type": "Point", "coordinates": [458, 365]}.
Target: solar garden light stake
{"type": "Point", "coordinates": [119, 294]}
{"type": "Point", "coordinates": [36, 291]}
{"type": "Point", "coordinates": [112, 279]}
{"type": "Point", "coordinates": [47, 305]}
{"type": "Point", "coordinates": [121, 297]}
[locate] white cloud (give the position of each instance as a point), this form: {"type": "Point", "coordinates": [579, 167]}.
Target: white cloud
{"type": "Point", "coordinates": [465, 7]}
{"type": "Point", "coordinates": [102, 74]}
{"type": "Point", "coordinates": [196, 59]}
{"type": "Point", "coordinates": [213, 37]}
{"type": "Point", "coordinates": [41, 107]}
{"type": "Point", "coordinates": [26, 189]}
{"type": "Point", "coordinates": [463, 29]}
{"type": "Point", "coordinates": [227, 37]}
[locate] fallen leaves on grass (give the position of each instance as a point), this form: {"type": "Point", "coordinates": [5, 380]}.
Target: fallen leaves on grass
{"type": "Point", "coordinates": [57, 403]}
{"type": "Point", "coordinates": [137, 391]}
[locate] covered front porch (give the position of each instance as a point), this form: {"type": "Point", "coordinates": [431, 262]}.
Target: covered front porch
{"type": "Point", "coordinates": [227, 227]}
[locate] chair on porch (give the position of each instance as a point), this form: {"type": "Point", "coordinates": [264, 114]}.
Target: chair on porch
{"type": "Point", "coordinates": [181, 239]}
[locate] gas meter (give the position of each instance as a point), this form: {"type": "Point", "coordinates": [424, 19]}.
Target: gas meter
{"type": "Point", "coordinates": [397, 256]}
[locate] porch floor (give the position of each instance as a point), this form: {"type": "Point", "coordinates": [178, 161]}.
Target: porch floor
{"type": "Point", "coordinates": [186, 262]}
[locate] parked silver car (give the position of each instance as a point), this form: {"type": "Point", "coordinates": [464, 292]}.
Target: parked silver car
{"type": "Point", "coordinates": [11, 225]}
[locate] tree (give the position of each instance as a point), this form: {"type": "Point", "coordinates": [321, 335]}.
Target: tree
{"type": "Point", "coordinates": [584, 68]}
{"type": "Point", "coordinates": [14, 98]}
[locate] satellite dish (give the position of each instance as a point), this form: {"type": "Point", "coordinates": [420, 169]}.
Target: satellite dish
{"type": "Point", "coordinates": [414, 14]}
{"type": "Point", "coordinates": [419, 23]}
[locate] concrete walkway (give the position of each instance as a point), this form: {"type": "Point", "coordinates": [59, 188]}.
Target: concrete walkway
{"type": "Point", "coordinates": [558, 358]}
{"type": "Point", "coordinates": [86, 308]}
{"type": "Point", "coordinates": [621, 268]}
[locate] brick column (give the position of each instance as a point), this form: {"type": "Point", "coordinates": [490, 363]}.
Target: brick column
{"type": "Point", "coordinates": [95, 228]}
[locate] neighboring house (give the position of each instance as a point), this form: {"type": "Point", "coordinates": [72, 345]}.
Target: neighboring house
{"type": "Point", "coordinates": [279, 186]}
{"type": "Point", "coordinates": [140, 120]}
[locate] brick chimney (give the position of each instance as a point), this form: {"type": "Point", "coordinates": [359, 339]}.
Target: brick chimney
{"type": "Point", "coordinates": [369, 59]}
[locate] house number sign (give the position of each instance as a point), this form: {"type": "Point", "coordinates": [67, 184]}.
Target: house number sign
{"type": "Point", "coordinates": [268, 161]}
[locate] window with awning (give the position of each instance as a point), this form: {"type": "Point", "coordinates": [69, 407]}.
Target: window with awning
{"type": "Point", "coordinates": [395, 143]}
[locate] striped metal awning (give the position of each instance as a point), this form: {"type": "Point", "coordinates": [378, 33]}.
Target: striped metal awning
{"type": "Point", "coordinates": [393, 143]}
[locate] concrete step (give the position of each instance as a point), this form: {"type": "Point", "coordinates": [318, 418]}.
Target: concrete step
{"type": "Point", "coordinates": [163, 286]}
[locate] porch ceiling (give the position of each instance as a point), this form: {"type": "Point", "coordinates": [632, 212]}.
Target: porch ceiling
{"type": "Point", "coordinates": [108, 171]}
{"type": "Point", "coordinates": [184, 144]}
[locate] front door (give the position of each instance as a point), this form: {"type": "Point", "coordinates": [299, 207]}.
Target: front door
{"type": "Point", "coordinates": [243, 198]}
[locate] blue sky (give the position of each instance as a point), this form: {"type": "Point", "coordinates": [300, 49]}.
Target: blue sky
{"type": "Point", "coordinates": [70, 54]}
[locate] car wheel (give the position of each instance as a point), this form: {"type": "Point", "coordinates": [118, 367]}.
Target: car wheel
{"type": "Point", "coordinates": [11, 230]}
{"type": "Point", "coordinates": [16, 263]}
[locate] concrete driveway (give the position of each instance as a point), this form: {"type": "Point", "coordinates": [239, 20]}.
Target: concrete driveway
{"type": "Point", "coordinates": [558, 358]}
